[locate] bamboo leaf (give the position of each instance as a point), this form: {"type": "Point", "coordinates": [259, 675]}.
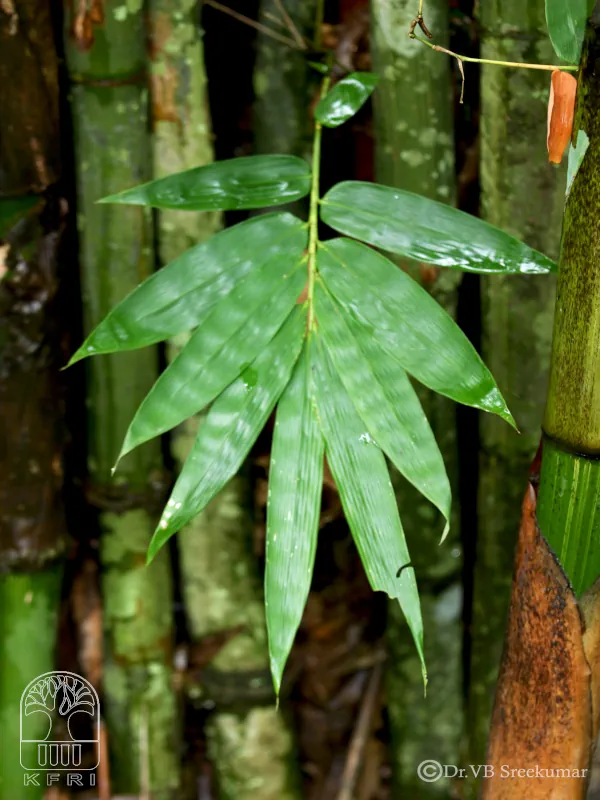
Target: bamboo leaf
{"type": "Point", "coordinates": [232, 336]}
{"type": "Point", "coordinates": [385, 400]}
{"type": "Point", "coordinates": [250, 182]}
{"type": "Point", "coordinates": [366, 492]}
{"type": "Point", "coordinates": [409, 324]}
{"type": "Point", "coordinates": [13, 209]}
{"type": "Point", "coordinates": [293, 508]}
{"type": "Point", "coordinates": [566, 21]}
{"type": "Point", "coordinates": [319, 67]}
{"type": "Point", "coordinates": [181, 295]}
{"type": "Point", "coordinates": [424, 230]}
{"type": "Point", "coordinates": [230, 429]}
{"type": "Point", "coordinates": [345, 98]}
{"type": "Point", "coordinates": [576, 156]}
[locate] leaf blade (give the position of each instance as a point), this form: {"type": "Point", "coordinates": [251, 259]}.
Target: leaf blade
{"type": "Point", "coordinates": [386, 402]}
{"type": "Point", "coordinates": [425, 230]}
{"type": "Point", "coordinates": [366, 494]}
{"type": "Point", "coordinates": [231, 337]}
{"type": "Point", "coordinates": [181, 294]}
{"type": "Point", "coordinates": [566, 20]}
{"type": "Point", "coordinates": [14, 209]}
{"type": "Point", "coordinates": [293, 509]}
{"type": "Point", "coordinates": [233, 184]}
{"type": "Point", "coordinates": [230, 429]}
{"type": "Point", "coordinates": [409, 324]}
{"type": "Point", "coordinates": [345, 98]}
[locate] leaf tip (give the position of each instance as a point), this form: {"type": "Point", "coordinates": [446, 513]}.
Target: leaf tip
{"type": "Point", "coordinates": [276, 675]}
{"type": "Point", "coordinates": [159, 538]}
{"type": "Point", "coordinates": [78, 355]}
{"type": "Point", "coordinates": [127, 446]}
{"type": "Point", "coordinates": [123, 198]}
{"type": "Point", "coordinates": [445, 532]}
{"type": "Point", "coordinates": [108, 199]}
{"type": "Point", "coordinates": [511, 421]}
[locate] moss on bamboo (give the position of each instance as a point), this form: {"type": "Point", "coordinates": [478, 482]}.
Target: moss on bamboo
{"type": "Point", "coordinates": [282, 123]}
{"type": "Point", "coordinates": [250, 748]}
{"type": "Point", "coordinates": [569, 485]}
{"type": "Point", "coordinates": [524, 195]}
{"type": "Point", "coordinates": [415, 151]}
{"type": "Point", "coordinates": [107, 62]}
{"type": "Point", "coordinates": [33, 535]}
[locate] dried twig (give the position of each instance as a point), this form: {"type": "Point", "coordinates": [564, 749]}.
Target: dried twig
{"type": "Point", "coordinates": [273, 18]}
{"type": "Point", "coordinates": [291, 27]}
{"type": "Point", "coordinates": [360, 735]}
{"type": "Point", "coordinates": [103, 765]}
{"type": "Point", "coordinates": [494, 62]}
{"type": "Point", "coordinates": [144, 754]}
{"type": "Point", "coordinates": [252, 23]}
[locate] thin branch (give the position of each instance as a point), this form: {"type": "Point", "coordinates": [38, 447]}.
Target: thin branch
{"type": "Point", "coordinates": [360, 735]}
{"type": "Point", "coordinates": [144, 754]}
{"type": "Point", "coordinates": [319, 18]}
{"type": "Point", "coordinates": [252, 23]}
{"type": "Point", "coordinates": [104, 792]}
{"type": "Point", "coordinates": [518, 64]}
{"type": "Point", "coordinates": [290, 24]}
{"type": "Point", "coordinates": [273, 18]}
{"type": "Point", "coordinates": [462, 72]}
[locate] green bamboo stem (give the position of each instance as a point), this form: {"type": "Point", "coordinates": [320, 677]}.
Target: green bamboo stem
{"type": "Point", "coordinates": [524, 195]}
{"type": "Point", "coordinates": [415, 151]}
{"type": "Point", "coordinates": [29, 603]}
{"type": "Point", "coordinates": [569, 513]}
{"type": "Point", "coordinates": [568, 498]}
{"type": "Point", "coordinates": [249, 745]}
{"type": "Point", "coordinates": [107, 63]}
{"type": "Point", "coordinates": [249, 742]}
{"type": "Point", "coordinates": [281, 80]}
{"type": "Point", "coordinates": [33, 534]}
{"type": "Point", "coordinates": [181, 118]}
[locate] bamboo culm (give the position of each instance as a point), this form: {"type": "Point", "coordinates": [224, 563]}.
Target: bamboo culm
{"type": "Point", "coordinates": [106, 57]}
{"type": "Point", "coordinates": [414, 139]}
{"type": "Point", "coordinates": [33, 533]}
{"type": "Point", "coordinates": [516, 321]}
{"type": "Point", "coordinates": [250, 747]}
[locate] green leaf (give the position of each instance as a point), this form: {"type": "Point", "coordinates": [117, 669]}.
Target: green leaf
{"type": "Point", "coordinates": [180, 295]}
{"type": "Point", "coordinates": [566, 21]}
{"type": "Point", "coordinates": [361, 475]}
{"type": "Point", "coordinates": [250, 182]}
{"type": "Point", "coordinates": [576, 155]}
{"type": "Point", "coordinates": [13, 209]}
{"type": "Point", "coordinates": [424, 230]}
{"type": "Point", "coordinates": [385, 400]}
{"type": "Point", "coordinates": [232, 336]}
{"type": "Point", "coordinates": [409, 324]}
{"type": "Point", "coordinates": [230, 429]}
{"type": "Point", "coordinates": [345, 98]}
{"type": "Point", "coordinates": [293, 508]}
{"type": "Point", "coordinates": [319, 66]}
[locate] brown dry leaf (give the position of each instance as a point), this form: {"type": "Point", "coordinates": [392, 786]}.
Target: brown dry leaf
{"type": "Point", "coordinates": [561, 110]}
{"type": "Point", "coordinates": [4, 250]}
{"type": "Point", "coordinates": [590, 608]}
{"type": "Point", "coordinates": [429, 274]}
{"type": "Point", "coordinates": [542, 716]}
{"type": "Point", "coordinates": [369, 785]}
{"type": "Point", "coordinates": [86, 607]}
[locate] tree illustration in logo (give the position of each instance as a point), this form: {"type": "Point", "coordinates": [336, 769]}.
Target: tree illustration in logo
{"type": "Point", "coordinates": [60, 693]}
